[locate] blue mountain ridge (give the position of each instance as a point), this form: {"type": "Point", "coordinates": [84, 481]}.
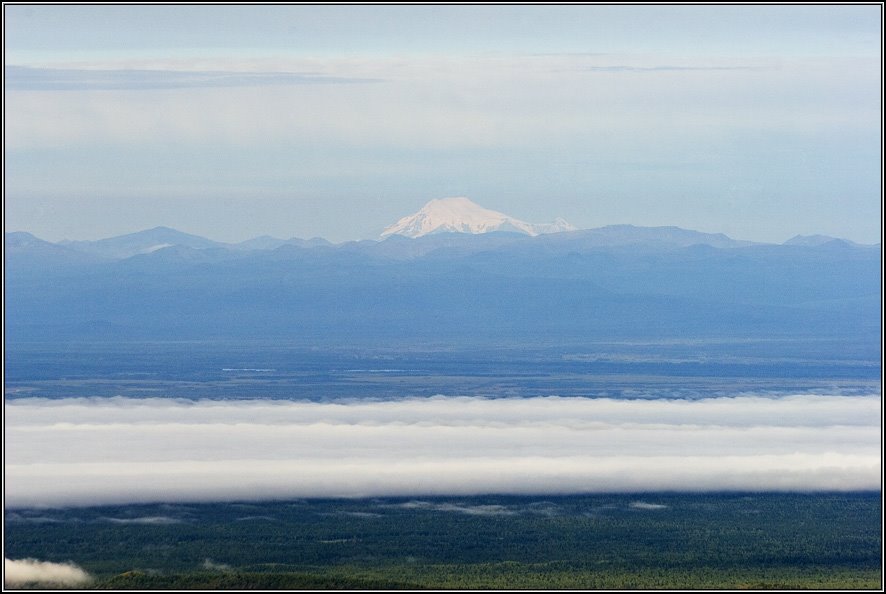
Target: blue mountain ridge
{"type": "Point", "coordinates": [616, 282]}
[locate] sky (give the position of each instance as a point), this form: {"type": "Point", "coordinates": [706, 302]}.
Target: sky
{"type": "Point", "coordinates": [231, 122]}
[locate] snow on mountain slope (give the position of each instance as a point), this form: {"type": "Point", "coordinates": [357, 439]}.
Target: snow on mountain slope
{"type": "Point", "coordinates": [557, 226]}
{"type": "Point", "coordinates": [461, 215]}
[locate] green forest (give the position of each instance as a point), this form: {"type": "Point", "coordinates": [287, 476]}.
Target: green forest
{"type": "Point", "coordinates": [649, 540]}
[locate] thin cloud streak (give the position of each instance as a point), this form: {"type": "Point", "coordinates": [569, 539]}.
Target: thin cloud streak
{"type": "Point", "coordinates": [146, 520]}
{"type": "Point", "coordinates": [90, 451]}
{"type": "Point", "coordinates": [24, 78]}
{"type": "Point", "coordinates": [430, 103]}
{"type": "Point", "coordinates": [663, 68]}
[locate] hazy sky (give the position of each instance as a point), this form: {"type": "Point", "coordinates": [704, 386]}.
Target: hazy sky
{"type": "Point", "coordinates": [234, 121]}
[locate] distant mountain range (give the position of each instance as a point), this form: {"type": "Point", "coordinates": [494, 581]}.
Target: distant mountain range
{"type": "Point", "coordinates": [152, 240]}
{"type": "Point", "coordinates": [396, 246]}
{"type": "Point", "coordinates": [618, 282]}
{"type": "Point", "coordinates": [160, 239]}
{"type": "Point", "coordinates": [818, 240]}
{"type": "Point", "coordinates": [439, 224]}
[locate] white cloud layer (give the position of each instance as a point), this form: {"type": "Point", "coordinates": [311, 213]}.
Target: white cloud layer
{"type": "Point", "coordinates": [22, 572]}
{"type": "Point", "coordinates": [91, 451]}
{"type": "Point", "coordinates": [445, 102]}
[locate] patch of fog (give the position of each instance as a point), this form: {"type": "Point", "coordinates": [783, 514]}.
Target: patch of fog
{"type": "Point", "coordinates": [24, 572]}
{"type": "Point", "coordinates": [471, 510]}
{"type": "Point", "coordinates": [210, 565]}
{"type": "Point", "coordinates": [21, 517]}
{"type": "Point", "coordinates": [256, 519]}
{"type": "Point", "coordinates": [543, 508]}
{"type": "Point", "coordinates": [644, 505]}
{"type": "Point", "coordinates": [477, 510]}
{"type": "Point", "coordinates": [147, 520]}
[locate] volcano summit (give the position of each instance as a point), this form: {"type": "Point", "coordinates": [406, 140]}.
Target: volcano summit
{"type": "Point", "coordinates": [461, 215]}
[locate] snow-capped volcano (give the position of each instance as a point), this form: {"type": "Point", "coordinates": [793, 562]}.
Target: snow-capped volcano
{"type": "Point", "coordinates": [460, 215]}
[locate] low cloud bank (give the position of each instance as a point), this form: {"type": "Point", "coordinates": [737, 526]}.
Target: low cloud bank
{"type": "Point", "coordinates": [93, 451]}
{"type": "Point", "coordinates": [22, 572]}
{"type": "Point", "coordinates": [470, 510]}
{"type": "Point", "coordinates": [210, 565]}
{"type": "Point", "coordinates": [644, 505]}
{"type": "Point", "coordinates": [146, 520]}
